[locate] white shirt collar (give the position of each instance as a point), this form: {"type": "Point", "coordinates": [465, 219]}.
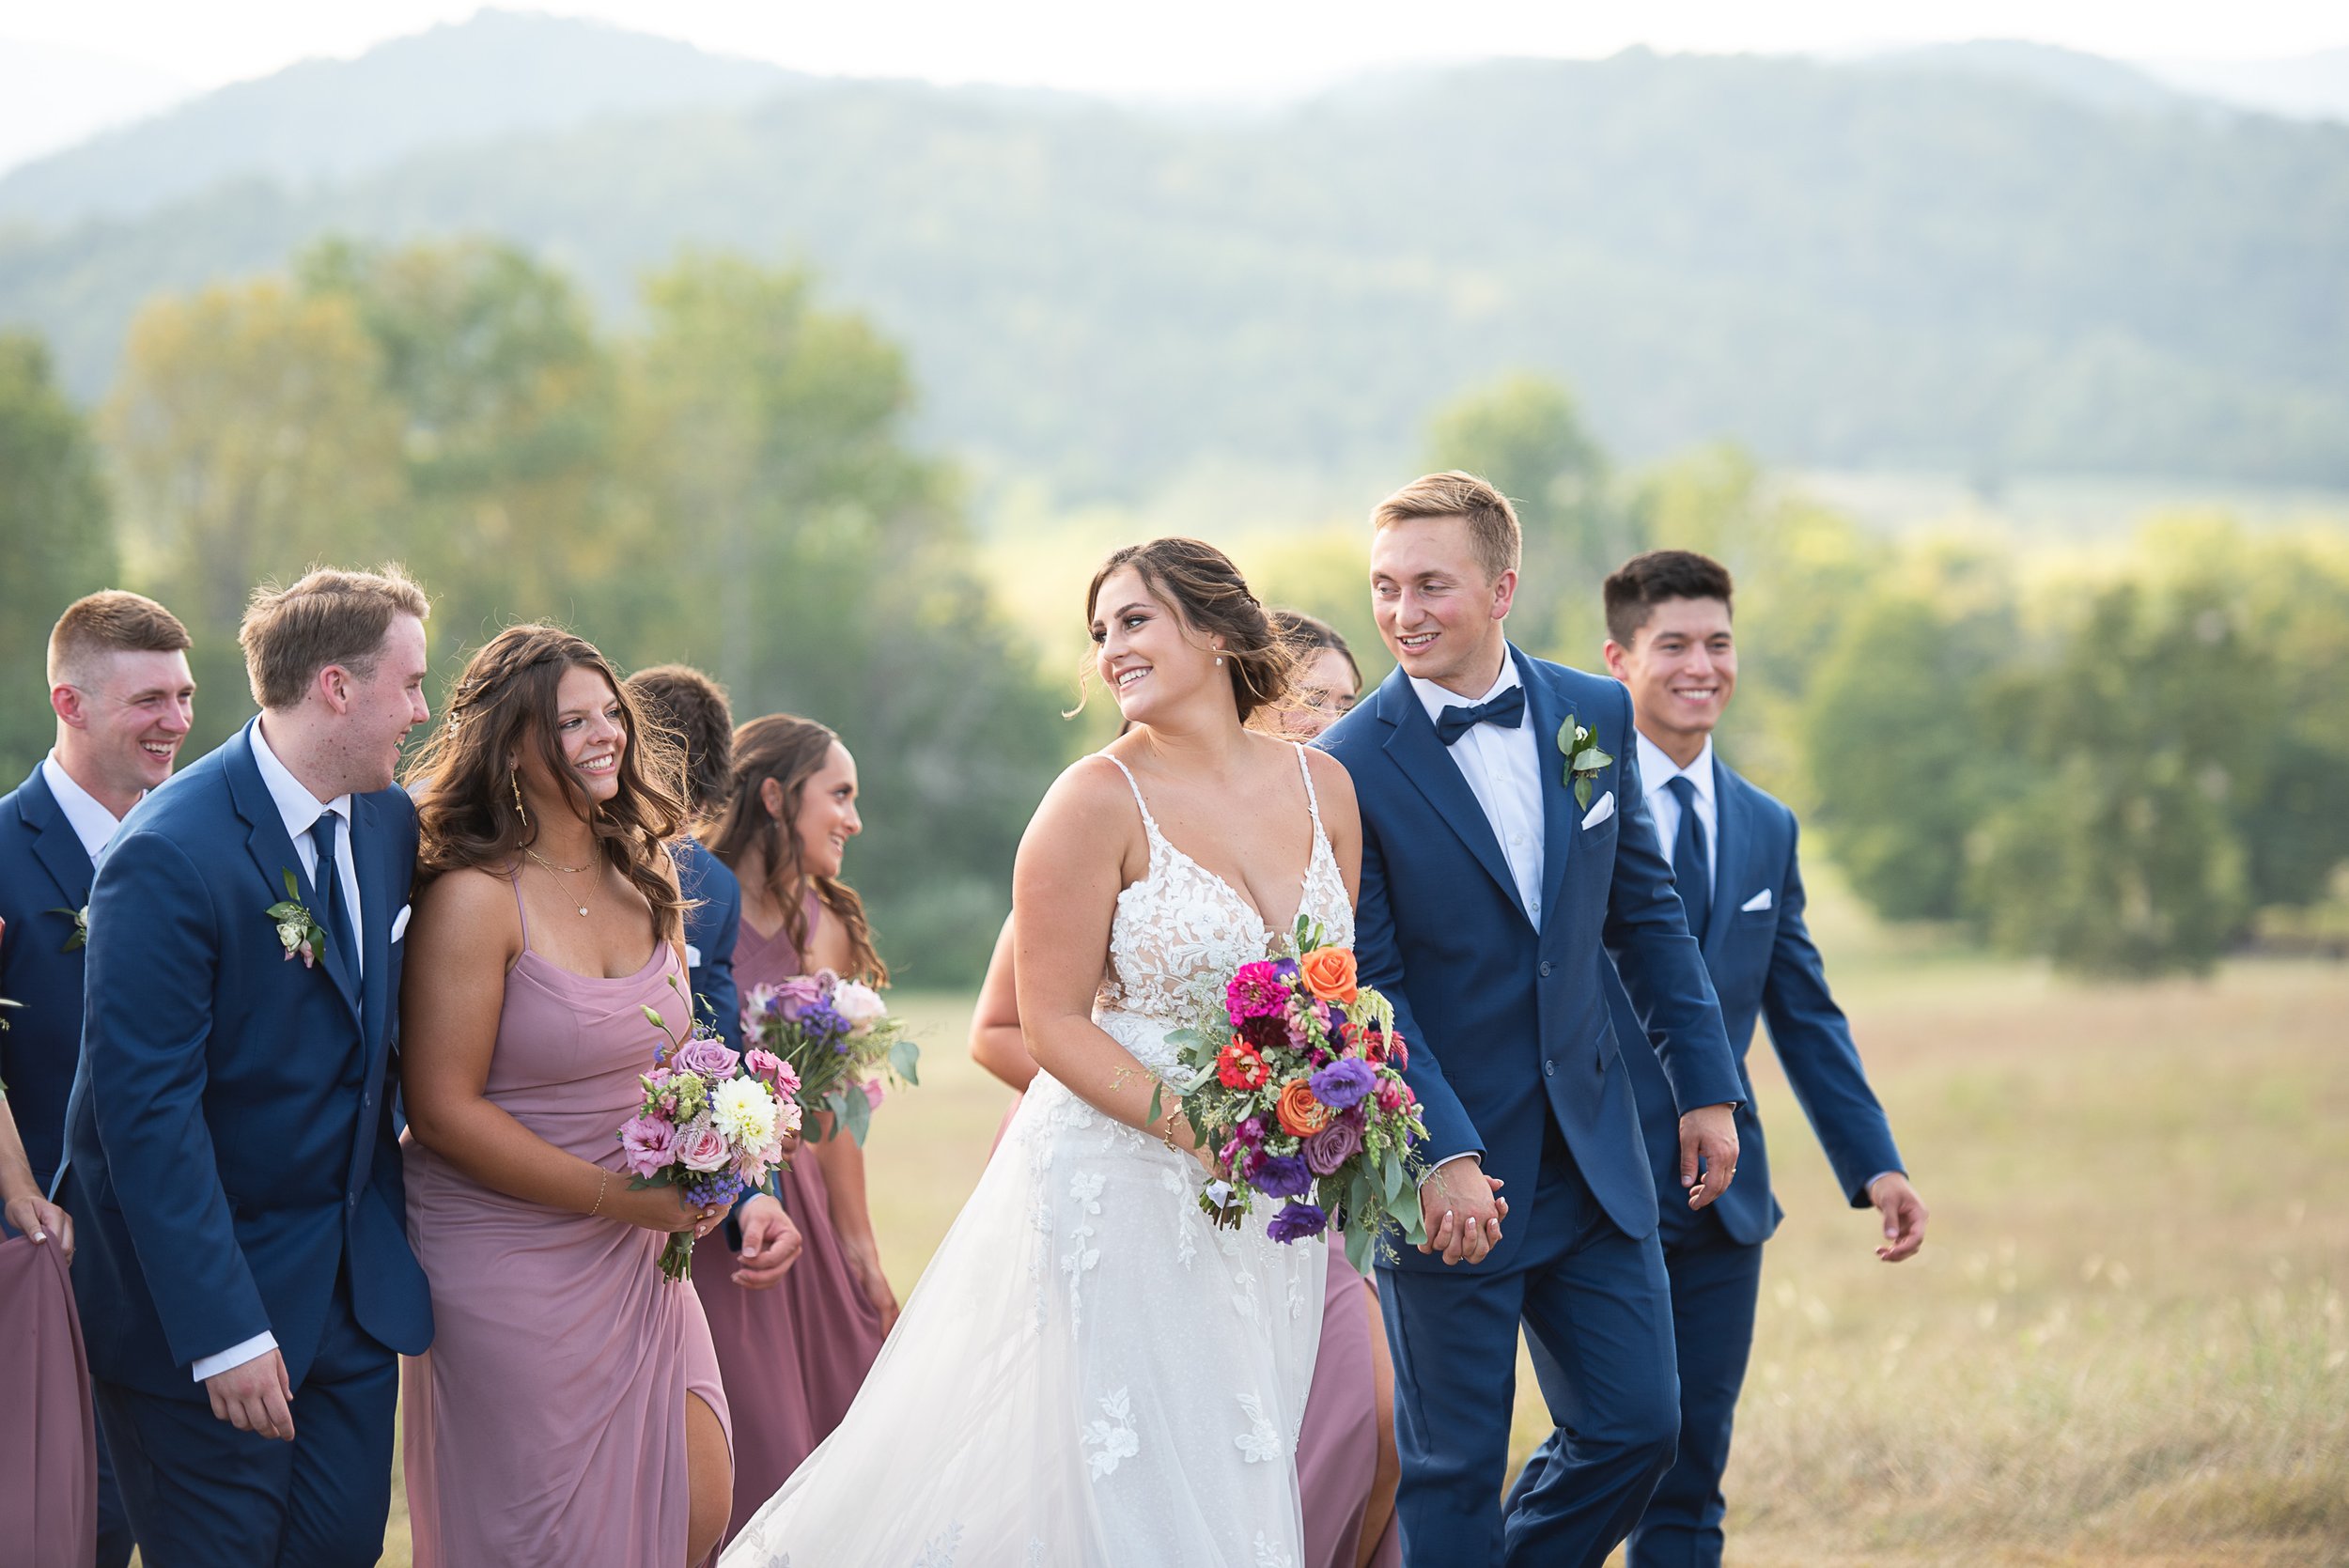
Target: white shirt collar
{"type": "Point", "coordinates": [1434, 699]}
{"type": "Point", "coordinates": [1656, 769]}
{"type": "Point", "coordinates": [92, 823]}
{"type": "Point", "coordinates": [295, 803]}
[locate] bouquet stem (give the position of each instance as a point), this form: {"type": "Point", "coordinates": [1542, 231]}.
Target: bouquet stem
{"type": "Point", "coordinates": [677, 1258]}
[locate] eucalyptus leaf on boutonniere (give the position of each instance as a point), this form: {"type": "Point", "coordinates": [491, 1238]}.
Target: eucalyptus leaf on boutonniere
{"type": "Point", "coordinates": [297, 928]}
{"type": "Point", "coordinates": [80, 918]}
{"type": "Point", "coordinates": [1578, 744]}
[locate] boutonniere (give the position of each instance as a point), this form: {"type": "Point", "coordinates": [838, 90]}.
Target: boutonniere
{"type": "Point", "coordinates": [297, 928]}
{"type": "Point", "coordinates": [81, 927]}
{"type": "Point", "coordinates": [1578, 744]}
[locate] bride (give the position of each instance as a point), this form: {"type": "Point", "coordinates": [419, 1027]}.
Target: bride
{"type": "Point", "coordinates": [1090, 1373]}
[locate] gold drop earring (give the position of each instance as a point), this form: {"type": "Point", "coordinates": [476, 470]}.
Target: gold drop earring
{"type": "Point", "coordinates": [515, 779]}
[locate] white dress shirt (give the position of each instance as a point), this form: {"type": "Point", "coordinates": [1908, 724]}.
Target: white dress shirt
{"type": "Point", "coordinates": [1504, 771]}
{"type": "Point", "coordinates": [92, 823]}
{"type": "Point", "coordinates": [300, 809]}
{"type": "Point", "coordinates": [1663, 805]}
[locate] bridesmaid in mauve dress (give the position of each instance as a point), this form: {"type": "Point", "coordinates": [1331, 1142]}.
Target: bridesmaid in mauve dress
{"type": "Point", "coordinates": [569, 1410]}
{"type": "Point", "coordinates": [1347, 1468]}
{"type": "Point", "coordinates": [796, 1355]}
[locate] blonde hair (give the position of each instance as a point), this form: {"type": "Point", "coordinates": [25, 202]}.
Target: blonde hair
{"type": "Point", "coordinates": [109, 621]}
{"type": "Point", "coordinates": [1492, 522]}
{"type": "Point", "coordinates": [329, 617]}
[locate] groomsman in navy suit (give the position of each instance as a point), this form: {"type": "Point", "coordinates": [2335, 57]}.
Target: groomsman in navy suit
{"type": "Point", "coordinates": [1507, 857]}
{"type": "Point", "coordinates": [120, 685]}
{"type": "Point", "coordinates": [243, 1274]}
{"type": "Point", "coordinates": [1733, 860]}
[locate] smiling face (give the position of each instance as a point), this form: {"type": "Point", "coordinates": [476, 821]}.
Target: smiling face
{"type": "Point", "coordinates": [128, 719]}
{"type": "Point", "coordinates": [1682, 668]}
{"type": "Point", "coordinates": [1439, 614]}
{"type": "Point", "coordinates": [374, 709]}
{"type": "Point", "coordinates": [1152, 660]}
{"type": "Point", "coordinates": [1325, 692]}
{"type": "Point", "coordinates": [827, 818]}
{"type": "Point", "coordinates": [591, 730]}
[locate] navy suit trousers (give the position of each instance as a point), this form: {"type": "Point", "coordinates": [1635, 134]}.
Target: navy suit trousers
{"type": "Point", "coordinates": [203, 1495]}
{"type": "Point", "coordinates": [1596, 1301]}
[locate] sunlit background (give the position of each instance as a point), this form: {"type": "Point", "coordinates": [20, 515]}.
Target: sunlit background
{"type": "Point", "coordinates": [2001, 350]}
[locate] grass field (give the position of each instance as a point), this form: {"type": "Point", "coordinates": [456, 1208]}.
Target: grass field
{"type": "Point", "coordinates": [2124, 1342]}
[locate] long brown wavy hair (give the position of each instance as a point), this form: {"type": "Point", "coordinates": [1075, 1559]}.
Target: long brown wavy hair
{"type": "Point", "coordinates": [790, 750]}
{"type": "Point", "coordinates": [466, 814]}
{"type": "Point", "coordinates": [1208, 593]}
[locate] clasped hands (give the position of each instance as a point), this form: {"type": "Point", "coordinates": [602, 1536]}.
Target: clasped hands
{"type": "Point", "coordinates": [1462, 1207]}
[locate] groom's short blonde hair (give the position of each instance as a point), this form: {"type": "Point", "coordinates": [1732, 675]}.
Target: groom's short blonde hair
{"type": "Point", "coordinates": [1492, 522]}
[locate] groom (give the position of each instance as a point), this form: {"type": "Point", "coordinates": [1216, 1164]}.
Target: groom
{"type": "Point", "coordinates": [243, 1269]}
{"type": "Point", "coordinates": [1504, 861]}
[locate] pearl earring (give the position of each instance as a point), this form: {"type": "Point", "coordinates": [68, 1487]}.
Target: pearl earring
{"type": "Point", "coordinates": [1218, 661]}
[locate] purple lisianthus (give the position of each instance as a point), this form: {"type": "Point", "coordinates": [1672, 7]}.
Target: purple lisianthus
{"type": "Point", "coordinates": [1295, 1222]}
{"type": "Point", "coordinates": [1287, 968]}
{"type": "Point", "coordinates": [709, 1058]}
{"type": "Point", "coordinates": [1282, 1176]}
{"type": "Point", "coordinates": [1332, 1146]}
{"type": "Point", "coordinates": [1344, 1082]}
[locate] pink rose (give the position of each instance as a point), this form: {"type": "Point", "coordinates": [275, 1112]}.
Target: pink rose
{"type": "Point", "coordinates": [796, 994]}
{"type": "Point", "coordinates": [860, 1004]}
{"type": "Point", "coordinates": [650, 1144]}
{"type": "Point", "coordinates": [874, 1092]}
{"type": "Point", "coordinates": [779, 1074]}
{"type": "Point", "coordinates": [701, 1146]}
{"type": "Point", "coordinates": [710, 1059]}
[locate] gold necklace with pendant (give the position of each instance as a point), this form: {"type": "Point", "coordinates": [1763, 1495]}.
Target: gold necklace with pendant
{"type": "Point", "coordinates": [568, 870]}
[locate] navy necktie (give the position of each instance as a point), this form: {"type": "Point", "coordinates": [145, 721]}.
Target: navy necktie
{"type": "Point", "coordinates": [1507, 710]}
{"type": "Point", "coordinates": [327, 885]}
{"type": "Point", "coordinates": [1689, 872]}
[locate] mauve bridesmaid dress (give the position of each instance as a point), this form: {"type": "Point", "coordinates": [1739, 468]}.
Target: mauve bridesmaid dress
{"type": "Point", "coordinates": [546, 1425]}
{"type": "Point", "coordinates": [794, 1356]}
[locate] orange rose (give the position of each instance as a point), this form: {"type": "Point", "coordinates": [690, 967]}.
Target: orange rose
{"type": "Point", "coordinates": [1300, 1113]}
{"type": "Point", "coordinates": [1330, 973]}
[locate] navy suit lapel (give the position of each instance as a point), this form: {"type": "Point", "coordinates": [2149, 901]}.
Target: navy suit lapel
{"type": "Point", "coordinates": [1424, 760]}
{"type": "Point", "coordinates": [375, 920]}
{"type": "Point", "coordinates": [272, 848]}
{"type": "Point", "coordinates": [56, 844]}
{"type": "Point", "coordinates": [1547, 711]}
{"type": "Point", "coordinates": [1733, 832]}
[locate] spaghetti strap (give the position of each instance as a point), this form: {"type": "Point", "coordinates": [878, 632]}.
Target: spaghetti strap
{"type": "Point", "coordinates": [1149, 822]}
{"type": "Point", "coordinates": [516, 882]}
{"type": "Point", "coordinates": [1313, 801]}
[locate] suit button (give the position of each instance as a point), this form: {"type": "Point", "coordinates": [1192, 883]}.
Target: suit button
{"type": "Point", "coordinates": [1549, 1069]}
{"type": "Point", "coordinates": [1544, 969]}
{"type": "Point", "coordinates": [352, 1200]}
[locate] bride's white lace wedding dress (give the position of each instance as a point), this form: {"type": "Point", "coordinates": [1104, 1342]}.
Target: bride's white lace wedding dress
{"type": "Point", "coordinates": [1090, 1371]}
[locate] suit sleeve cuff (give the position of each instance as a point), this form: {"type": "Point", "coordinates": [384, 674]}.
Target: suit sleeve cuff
{"type": "Point", "coordinates": [235, 1355]}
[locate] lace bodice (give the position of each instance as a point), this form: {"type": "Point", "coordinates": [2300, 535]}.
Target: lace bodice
{"type": "Point", "coordinates": [1183, 926]}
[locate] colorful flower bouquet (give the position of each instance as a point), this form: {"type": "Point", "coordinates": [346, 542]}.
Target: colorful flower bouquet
{"type": "Point", "coordinates": [839, 1038]}
{"type": "Point", "coordinates": [713, 1123]}
{"type": "Point", "coordinates": [1294, 1076]}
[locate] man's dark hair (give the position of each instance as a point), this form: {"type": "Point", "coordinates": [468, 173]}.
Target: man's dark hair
{"type": "Point", "coordinates": [693, 707]}
{"type": "Point", "coordinates": [1646, 580]}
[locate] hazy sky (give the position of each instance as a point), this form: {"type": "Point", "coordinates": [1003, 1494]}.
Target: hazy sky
{"type": "Point", "coordinates": [1196, 48]}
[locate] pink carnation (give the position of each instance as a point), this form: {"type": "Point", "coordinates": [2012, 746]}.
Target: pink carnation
{"type": "Point", "coordinates": [648, 1143]}
{"type": "Point", "coordinates": [779, 1074]}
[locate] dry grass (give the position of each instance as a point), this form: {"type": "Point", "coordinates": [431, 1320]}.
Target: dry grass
{"type": "Point", "coordinates": [2126, 1342]}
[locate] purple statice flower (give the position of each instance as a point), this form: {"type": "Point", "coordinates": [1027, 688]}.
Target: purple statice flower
{"type": "Point", "coordinates": [1332, 1146]}
{"type": "Point", "coordinates": [1344, 1082]}
{"type": "Point", "coordinates": [1282, 1176]}
{"type": "Point", "coordinates": [1295, 1222]}
{"type": "Point", "coordinates": [821, 1022]}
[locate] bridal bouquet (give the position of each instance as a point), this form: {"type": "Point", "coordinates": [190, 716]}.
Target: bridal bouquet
{"type": "Point", "coordinates": [1293, 1075]}
{"type": "Point", "coordinates": [839, 1038]}
{"type": "Point", "coordinates": [712, 1122]}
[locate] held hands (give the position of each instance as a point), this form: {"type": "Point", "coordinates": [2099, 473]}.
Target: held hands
{"type": "Point", "coordinates": [1708, 1135]}
{"type": "Point", "coordinates": [1462, 1209]}
{"type": "Point", "coordinates": [255, 1396]}
{"type": "Point", "coordinates": [770, 1244]}
{"type": "Point", "coordinates": [1905, 1216]}
{"type": "Point", "coordinates": [41, 1219]}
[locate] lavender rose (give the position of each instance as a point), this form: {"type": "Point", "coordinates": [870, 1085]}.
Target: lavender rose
{"type": "Point", "coordinates": [1344, 1082]}
{"type": "Point", "coordinates": [1282, 1176]}
{"type": "Point", "coordinates": [708, 1057]}
{"type": "Point", "coordinates": [1332, 1146]}
{"type": "Point", "coordinates": [1295, 1222]}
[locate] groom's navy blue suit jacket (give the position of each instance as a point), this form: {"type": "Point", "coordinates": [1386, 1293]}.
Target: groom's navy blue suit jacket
{"type": "Point", "coordinates": [43, 870]}
{"type": "Point", "coordinates": [229, 1147]}
{"type": "Point", "coordinates": [1507, 1025]}
{"type": "Point", "coordinates": [1763, 963]}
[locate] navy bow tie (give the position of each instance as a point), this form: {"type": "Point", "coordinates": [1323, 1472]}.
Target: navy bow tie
{"type": "Point", "coordinates": [1507, 710]}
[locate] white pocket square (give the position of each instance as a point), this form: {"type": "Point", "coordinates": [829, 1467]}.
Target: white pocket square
{"type": "Point", "coordinates": [1759, 901]}
{"type": "Point", "coordinates": [1601, 813]}
{"type": "Point", "coordinates": [693, 957]}
{"type": "Point", "coordinates": [399, 922]}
